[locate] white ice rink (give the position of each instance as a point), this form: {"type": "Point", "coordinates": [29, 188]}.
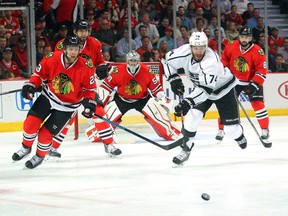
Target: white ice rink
{"type": "Point", "coordinates": [250, 182]}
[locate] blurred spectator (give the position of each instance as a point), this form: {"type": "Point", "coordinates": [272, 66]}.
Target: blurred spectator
{"type": "Point", "coordinates": [147, 57]}
{"type": "Point", "coordinates": [252, 22]}
{"type": "Point", "coordinates": [190, 11]}
{"type": "Point", "coordinates": [11, 67]}
{"type": "Point", "coordinates": [152, 31]}
{"type": "Point", "coordinates": [134, 21]}
{"type": "Point", "coordinates": [106, 56]}
{"type": "Point", "coordinates": [113, 11]}
{"type": "Point", "coordinates": [246, 15]}
{"type": "Point", "coordinates": [213, 42]}
{"type": "Point", "coordinates": [199, 14]}
{"type": "Point", "coordinates": [184, 39]}
{"type": "Point", "coordinates": [207, 10]}
{"type": "Point", "coordinates": [106, 36]}
{"type": "Point", "coordinates": [123, 47]}
{"type": "Point", "coordinates": [177, 32]}
{"type": "Point", "coordinates": [145, 46]}
{"type": "Point", "coordinates": [66, 12]}
{"type": "Point", "coordinates": [47, 49]}
{"type": "Point", "coordinates": [241, 5]}
{"type": "Point", "coordinates": [168, 38]}
{"type": "Point", "coordinates": [2, 72]}
{"type": "Point", "coordinates": [3, 32]}
{"type": "Point", "coordinates": [62, 33]}
{"type": "Point", "coordinates": [279, 65]}
{"type": "Point", "coordinates": [11, 23]}
{"type": "Point", "coordinates": [199, 25]}
{"type": "Point", "coordinates": [284, 50]}
{"type": "Point", "coordinates": [207, 32]}
{"type": "Point", "coordinates": [92, 5]}
{"type": "Point", "coordinates": [90, 15]}
{"type": "Point", "coordinates": [142, 33]}
{"type": "Point", "coordinates": [20, 56]}
{"type": "Point", "coordinates": [183, 3]}
{"type": "Point", "coordinates": [259, 29]}
{"type": "Point", "coordinates": [42, 30]}
{"type": "Point", "coordinates": [261, 43]}
{"type": "Point", "coordinates": [104, 15]}
{"type": "Point", "coordinates": [275, 41]}
{"type": "Point", "coordinates": [41, 43]}
{"type": "Point", "coordinates": [156, 56]}
{"type": "Point", "coordinates": [224, 5]}
{"type": "Point", "coordinates": [232, 32]}
{"type": "Point", "coordinates": [235, 16]}
{"type": "Point", "coordinates": [151, 10]}
{"type": "Point", "coordinates": [163, 48]}
{"type": "Point", "coordinates": [121, 27]}
{"type": "Point", "coordinates": [185, 20]}
{"type": "Point", "coordinates": [166, 10]}
{"type": "Point", "coordinates": [214, 25]}
{"type": "Point", "coordinates": [198, 3]}
{"type": "Point", "coordinates": [161, 27]}
{"type": "Point", "coordinates": [3, 44]}
{"type": "Point", "coordinates": [134, 9]}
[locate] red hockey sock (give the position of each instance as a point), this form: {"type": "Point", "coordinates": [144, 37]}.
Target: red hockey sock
{"type": "Point", "coordinates": [261, 113]}
{"type": "Point", "coordinates": [30, 130]}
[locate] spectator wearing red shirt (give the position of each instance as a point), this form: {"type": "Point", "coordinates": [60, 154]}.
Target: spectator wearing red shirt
{"type": "Point", "coordinates": [274, 41]}
{"type": "Point", "coordinates": [11, 67]}
{"type": "Point", "coordinates": [234, 16]}
{"type": "Point", "coordinates": [20, 55]}
{"type": "Point", "coordinates": [11, 23]}
{"type": "Point", "coordinates": [145, 46]}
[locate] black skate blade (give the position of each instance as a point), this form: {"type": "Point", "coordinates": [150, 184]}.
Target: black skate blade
{"type": "Point", "coordinates": [266, 143]}
{"type": "Point", "coordinates": [51, 158]}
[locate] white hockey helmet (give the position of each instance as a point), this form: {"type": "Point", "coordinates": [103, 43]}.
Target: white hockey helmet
{"type": "Point", "coordinates": [133, 61]}
{"type": "Point", "coordinates": [198, 39]}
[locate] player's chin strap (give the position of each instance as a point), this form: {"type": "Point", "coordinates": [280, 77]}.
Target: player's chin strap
{"type": "Point", "coordinates": [165, 147]}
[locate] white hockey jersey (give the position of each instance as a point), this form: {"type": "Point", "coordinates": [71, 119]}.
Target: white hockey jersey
{"type": "Point", "coordinates": [209, 78]}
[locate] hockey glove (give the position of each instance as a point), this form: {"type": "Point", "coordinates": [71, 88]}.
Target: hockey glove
{"type": "Point", "coordinates": [89, 107]}
{"type": "Point", "coordinates": [183, 107]}
{"type": "Point", "coordinates": [28, 90]}
{"type": "Point", "coordinates": [102, 71]}
{"type": "Point", "coordinates": [251, 89]}
{"type": "Point", "coordinates": [177, 86]}
{"type": "Point", "coordinates": [98, 100]}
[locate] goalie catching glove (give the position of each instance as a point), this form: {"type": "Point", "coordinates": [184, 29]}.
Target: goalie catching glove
{"type": "Point", "coordinates": [28, 90]}
{"type": "Point", "coordinates": [251, 89]}
{"type": "Point", "coordinates": [89, 107]}
{"type": "Point", "coordinates": [177, 86]}
{"type": "Point", "coordinates": [183, 107]}
{"type": "Point", "coordinates": [102, 71]}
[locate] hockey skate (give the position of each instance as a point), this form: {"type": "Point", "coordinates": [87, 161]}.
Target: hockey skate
{"type": "Point", "coordinates": [112, 151]}
{"type": "Point", "coordinates": [184, 154]}
{"type": "Point", "coordinates": [22, 153]}
{"type": "Point", "coordinates": [34, 162]}
{"type": "Point", "coordinates": [53, 153]}
{"type": "Point", "coordinates": [265, 138]}
{"type": "Point", "coordinates": [242, 141]}
{"type": "Point", "coordinates": [220, 135]}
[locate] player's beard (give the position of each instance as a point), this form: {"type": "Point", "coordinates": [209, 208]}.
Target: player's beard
{"type": "Point", "coordinates": [82, 39]}
{"type": "Point", "coordinates": [244, 44]}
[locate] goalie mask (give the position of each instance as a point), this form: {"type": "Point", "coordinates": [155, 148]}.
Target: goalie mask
{"type": "Point", "coordinates": [133, 61]}
{"type": "Point", "coordinates": [198, 43]}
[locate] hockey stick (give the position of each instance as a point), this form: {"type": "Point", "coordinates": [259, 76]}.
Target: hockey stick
{"type": "Point", "coordinates": [9, 92]}
{"type": "Point", "coordinates": [265, 144]}
{"type": "Point", "coordinates": [165, 147]}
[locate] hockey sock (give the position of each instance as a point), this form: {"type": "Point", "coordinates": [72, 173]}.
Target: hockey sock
{"type": "Point", "coordinates": [261, 113]}
{"type": "Point", "coordinates": [44, 142]}
{"type": "Point", "coordinates": [220, 126]}
{"type": "Point", "coordinates": [30, 130]}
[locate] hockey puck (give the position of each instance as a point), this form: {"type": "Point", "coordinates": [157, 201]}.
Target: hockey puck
{"type": "Point", "coordinates": [205, 196]}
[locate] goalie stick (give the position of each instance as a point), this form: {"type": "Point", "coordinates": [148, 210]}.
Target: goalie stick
{"type": "Point", "coordinates": [265, 144]}
{"type": "Point", "coordinates": [165, 147]}
{"type": "Point", "coordinates": [9, 92]}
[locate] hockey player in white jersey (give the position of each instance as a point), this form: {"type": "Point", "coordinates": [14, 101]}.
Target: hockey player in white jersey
{"type": "Point", "coordinates": [210, 83]}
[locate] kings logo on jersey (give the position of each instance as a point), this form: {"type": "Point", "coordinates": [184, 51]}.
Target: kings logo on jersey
{"type": "Point", "coordinates": [241, 64]}
{"type": "Point", "coordinates": [133, 88]}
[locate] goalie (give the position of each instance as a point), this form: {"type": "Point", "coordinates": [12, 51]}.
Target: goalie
{"type": "Point", "coordinates": [135, 85]}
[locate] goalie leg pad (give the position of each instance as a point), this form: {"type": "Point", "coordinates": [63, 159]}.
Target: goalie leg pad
{"type": "Point", "coordinates": [158, 118]}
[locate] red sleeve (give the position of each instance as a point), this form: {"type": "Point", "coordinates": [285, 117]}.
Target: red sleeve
{"type": "Point", "coordinates": [260, 66]}
{"type": "Point", "coordinates": [225, 57]}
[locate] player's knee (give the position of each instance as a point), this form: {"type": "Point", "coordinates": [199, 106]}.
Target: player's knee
{"type": "Point", "coordinates": [233, 131]}
{"type": "Point", "coordinates": [32, 124]}
{"type": "Point", "coordinates": [44, 135]}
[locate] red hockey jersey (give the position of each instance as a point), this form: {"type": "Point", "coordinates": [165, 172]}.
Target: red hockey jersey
{"type": "Point", "coordinates": [132, 87]}
{"type": "Point", "coordinates": [246, 66]}
{"type": "Point", "coordinates": [92, 49]}
{"type": "Point", "coordinates": [65, 87]}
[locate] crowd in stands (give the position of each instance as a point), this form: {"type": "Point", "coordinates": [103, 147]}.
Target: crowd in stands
{"type": "Point", "coordinates": [151, 23]}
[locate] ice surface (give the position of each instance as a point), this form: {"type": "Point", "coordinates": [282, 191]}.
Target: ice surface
{"type": "Point", "coordinates": [250, 182]}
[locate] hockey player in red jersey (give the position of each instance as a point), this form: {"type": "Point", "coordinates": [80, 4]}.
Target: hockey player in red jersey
{"type": "Point", "coordinates": [247, 62]}
{"type": "Point", "coordinates": [68, 81]}
{"type": "Point", "coordinates": [91, 48]}
{"type": "Point", "coordinates": [137, 89]}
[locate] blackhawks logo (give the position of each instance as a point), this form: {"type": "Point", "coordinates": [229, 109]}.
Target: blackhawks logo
{"type": "Point", "coordinates": [60, 46]}
{"type": "Point", "coordinates": [89, 64]}
{"type": "Point", "coordinates": [114, 70]}
{"type": "Point", "coordinates": [261, 52]}
{"type": "Point", "coordinates": [133, 88]}
{"type": "Point", "coordinates": [62, 84]}
{"type": "Point", "coordinates": [241, 64]}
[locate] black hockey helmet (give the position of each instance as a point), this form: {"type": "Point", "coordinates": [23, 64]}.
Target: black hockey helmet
{"type": "Point", "coordinates": [245, 30]}
{"type": "Point", "coordinates": [81, 24]}
{"type": "Point", "coordinates": [71, 40]}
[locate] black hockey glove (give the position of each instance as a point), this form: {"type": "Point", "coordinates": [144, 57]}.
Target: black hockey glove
{"type": "Point", "coordinates": [177, 86]}
{"type": "Point", "coordinates": [183, 107]}
{"type": "Point", "coordinates": [28, 90]}
{"type": "Point", "coordinates": [89, 107]}
{"type": "Point", "coordinates": [102, 71]}
{"type": "Point", "coordinates": [251, 89]}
